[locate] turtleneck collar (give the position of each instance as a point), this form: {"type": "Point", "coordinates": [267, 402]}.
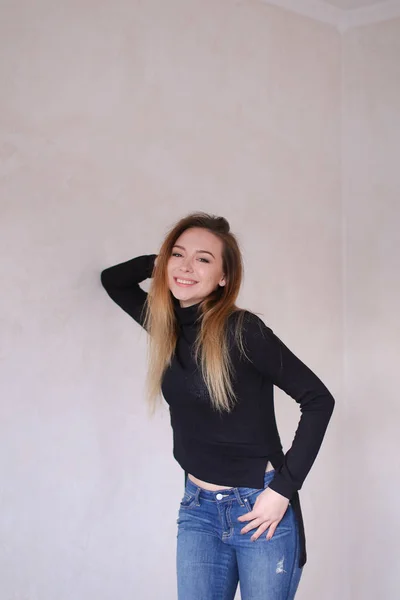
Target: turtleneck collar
{"type": "Point", "coordinates": [188, 315]}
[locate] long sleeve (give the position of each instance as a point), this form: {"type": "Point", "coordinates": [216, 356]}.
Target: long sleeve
{"type": "Point", "coordinates": [121, 283]}
{"type": "Point", "coordinates": [275, 361]}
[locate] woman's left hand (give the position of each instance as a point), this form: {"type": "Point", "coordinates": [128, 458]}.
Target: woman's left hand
{"type": "Point", "coordinates": [268, 510]}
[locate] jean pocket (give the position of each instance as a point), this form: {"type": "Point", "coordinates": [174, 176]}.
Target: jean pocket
{"type": "Point", "coordinates": [187, 500]}
{"type": "Point", "coordinates": [255, 492]}
{"type": "Point", "coordinates": [284, 526]}
{"type": "Point", "coordinates": [250, 500]}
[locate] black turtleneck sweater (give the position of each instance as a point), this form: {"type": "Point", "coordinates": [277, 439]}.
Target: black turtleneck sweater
{"type": "Point", "coordinates": [233, 449]}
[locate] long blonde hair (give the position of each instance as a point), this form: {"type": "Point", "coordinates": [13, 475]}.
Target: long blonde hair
{"type": "Point", "coordinates": [211, 345]}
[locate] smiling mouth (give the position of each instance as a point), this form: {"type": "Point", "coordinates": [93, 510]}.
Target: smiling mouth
{"type": "Point", "coordinates": [184, 282]}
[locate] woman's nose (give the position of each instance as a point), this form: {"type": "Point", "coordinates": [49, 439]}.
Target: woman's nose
{"type": "Point", "coordinates": [187, 265]}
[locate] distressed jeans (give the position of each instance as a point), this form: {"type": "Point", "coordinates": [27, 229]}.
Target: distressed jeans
{"type": "Point", "coordinates": [213, 556]}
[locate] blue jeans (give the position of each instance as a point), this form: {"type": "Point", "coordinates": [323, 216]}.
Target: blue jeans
{"type": "Point", "coordinates": [212, 556]}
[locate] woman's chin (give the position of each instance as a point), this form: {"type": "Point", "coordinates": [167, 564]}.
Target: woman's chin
{"type": "Point", "coordinates": [184, 296]}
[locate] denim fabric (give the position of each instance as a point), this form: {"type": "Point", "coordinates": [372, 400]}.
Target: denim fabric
{"type": "Point", "coordinates": [212, 555]}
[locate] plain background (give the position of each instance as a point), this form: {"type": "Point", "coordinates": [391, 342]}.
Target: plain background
{"type": "Point", "coordinates": [116, 120]}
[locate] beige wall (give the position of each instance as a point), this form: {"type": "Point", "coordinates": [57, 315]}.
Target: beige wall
{"type": "Point", "coordinates": [116, 119]}
{"type": "Point", "coordinates": [371, 184]}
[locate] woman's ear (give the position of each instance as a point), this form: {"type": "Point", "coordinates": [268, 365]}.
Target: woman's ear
{"type": "Point", "coordinates": [222, 282]}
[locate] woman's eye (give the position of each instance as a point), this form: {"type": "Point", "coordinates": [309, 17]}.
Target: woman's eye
{"type": "Point", "coordinates": [201, 258]}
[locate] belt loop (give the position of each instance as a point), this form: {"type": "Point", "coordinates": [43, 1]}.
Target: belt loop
{"type": "Point", "coordinates": [238, 496]}
{"type": "Point", "coordinates": [196, 496]}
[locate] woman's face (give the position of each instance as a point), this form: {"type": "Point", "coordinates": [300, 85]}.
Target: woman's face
{"type": "Point", "coordinates": [194, 268]}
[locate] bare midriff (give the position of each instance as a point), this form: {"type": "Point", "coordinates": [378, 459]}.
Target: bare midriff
{"type": "Point", "coordinates": [212, 487]}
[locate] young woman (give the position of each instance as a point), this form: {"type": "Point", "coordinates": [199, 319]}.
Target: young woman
{"type": "Point", "coordinates": [216, 365]}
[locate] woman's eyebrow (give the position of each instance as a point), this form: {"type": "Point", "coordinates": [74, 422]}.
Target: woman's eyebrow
{"type": "Point", "coordinates": [203, 251]}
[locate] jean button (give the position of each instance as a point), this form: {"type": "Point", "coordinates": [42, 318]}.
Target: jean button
{"type": "Point", "coordinates": [219, 496]}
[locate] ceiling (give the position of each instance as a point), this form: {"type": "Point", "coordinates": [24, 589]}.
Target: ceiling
{"type": "Point", "coordinates": [343, 14]}
{"type": "Point", "coordinates": [353, 4]}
